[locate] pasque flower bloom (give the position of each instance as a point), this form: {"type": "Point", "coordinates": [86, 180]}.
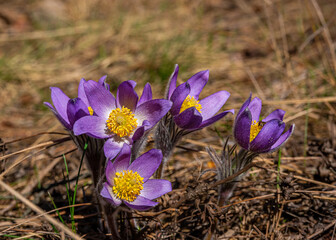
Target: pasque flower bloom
{"type": "Point", "coordinates": [260, 136]}
{"type": "Point", "coordinates": [130, 183]}
{"type": "Point", "coordinates": [67, 110]}
{"type": "Point", "coordinates": [188, 111]}
{"type": "Point", "coordinates": [120, 120]}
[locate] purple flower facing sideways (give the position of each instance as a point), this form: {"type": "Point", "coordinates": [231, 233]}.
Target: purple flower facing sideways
{"type": "Point", "coordinates": [260, 136]}
{"type": "Point", "coordinates": [130, 183]}
{"type": "Point", "coordinates": [67, 110]}
{"type": "Point", "coordinates": [120, 120]}
{"type": "Point", "coordinates": [188, 111]}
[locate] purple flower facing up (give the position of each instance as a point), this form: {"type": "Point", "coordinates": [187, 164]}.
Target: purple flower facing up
{"type": "Point", "coordinates": [120, 120]}
{"type": "Point", "coordinates": [260, 136]}
{"type": "Point", "coordinates": [67, 110]}
{"type": "Point", "coordinates": [130, 183]}
{"type": "Point", "coordinates": [188, 111]}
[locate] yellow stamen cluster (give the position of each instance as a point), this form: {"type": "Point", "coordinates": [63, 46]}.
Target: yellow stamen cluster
{"type": "Point", "coordinates": [127, 185]}
{"type": "Point", "coordinates": [255, 129]}
{"type": "Point", "coordinates": [90, 111]}
{"type": "Point", "coordinates": [121, 122]}
{"type": "Point", "coordinates": [190, 102]}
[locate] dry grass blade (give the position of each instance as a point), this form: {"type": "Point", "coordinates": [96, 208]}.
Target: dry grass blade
{"type": "Point", "coordinates": [40, 215]}
{"type": "Point", "coordinates": [326, 33]}
{"type": "Point", "coordinates": [268, 196]}
{"type": "Point", "coordinates": [30, 235]}
{"type": "Point", "coordinates": [233, 176]}
{"type": "Point", "coordinates": [303, 178]}
{"type": "Point", "coordinates": [32, 183]}
{"type": "Point", "coordinates": [45, 145]}
{"type": "Point", "coordinates": [32, 136]}
{"type": "Point", "coordinates": [38, 210]}
{"type": "Point", "coordinates": [300, 101]}
{"type": "Point", "coordinates": [47, 34]}
{"type": "Point", "coordinates": [255, 83]}
{"type": "Point", "coordinates": [322, 230]}
{"type": "Point", "coordinates": [17, 162]}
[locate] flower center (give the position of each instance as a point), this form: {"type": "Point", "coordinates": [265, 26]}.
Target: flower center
{"type": "Point", "coordinates": [90, 111]}
{"type": "Point", "coordinates": [127, 185]}
{"type": "Point", "coordinates": [190, 102]}
{"type": "Point", "coordinates": [121, 122]}
{"type": "Point", "coordinates": [255, 129]}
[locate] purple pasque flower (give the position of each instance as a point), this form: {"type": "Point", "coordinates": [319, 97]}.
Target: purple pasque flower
{"type": "Point", "coordinates": [188, 111]}
{"type": "Point", "coordinates": [129, 182]}
{"type": "Point", "coordinates": [120, 120]}
{"type": "Point", "coordinates": [67, 110]}
{"type": "Point", "coordinates": [260, 136]}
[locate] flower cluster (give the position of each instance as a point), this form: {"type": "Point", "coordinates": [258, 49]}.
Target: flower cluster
{"type": "Point", "coordinates": [121, 124]}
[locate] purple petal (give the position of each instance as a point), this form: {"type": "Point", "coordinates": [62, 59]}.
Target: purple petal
{"type": "Point", "coordinates": [244, 106]}
{"type": "Point", "coordinates": [147, 163]}
{"type": "Point", "coordinates": [138, 133]}
{"type": "Point", "coordinates": [100, 99]}
{"type": "Point", "coordinates": [172, 82]}
{"type": "Point", "coordinates": [76, 109]}
{"type": "Point", "coordinates": [106, 192]}
{"type": "Point", "coordinates": [152, 111]}
{"type": "Point", "coordinates": [155, 188]}
{"type": "Point", "coordinates": [188, 119]}
{"type": "Point", "coordinates": [146, 94]}
{"type": "Point", "coordinates": [214, 119]}
{"type": "Point", "coordinates": [213, 103]}
{"type": "Point", "coordinates": [60, 101]}
{"type": "Point", "coordinates": [255, 108]}
{"type": "Point", "coordinates": [63, 121]}
{"type": "Point", "coordinates": [110, 172]}
{"type": "Point", "coordinates": [178, 96]}
{"type": "Point", "coordinates": [133, 83]}
{"type": "Point", "coordinates": [242, 127]}
{"type": "Point", "coordinates": [102, 81]}
{"type": "Point", "coordinates": [141, 204]}
{"type": "Point", "coordinates": [112, 148]}
{"type": "Point", "coordinates": [141, 130]}
{"type": "Point", "coordinates": [276, 114]}
{"type": "Point", "coordinates": [91, 125]}
{"type": "Point", "coordinates": [121, 163]}
{"type": "Point", "coordinates": [126, 96]}
{"type": "Point", "coordinates": [49, 106]}
{"type": "Point", "coordinates": [267, 136]}
{"type": "Point", "coordinates": [197, 83]}
{"type": "Point", "coordinates": [81, 92]}
{"type": "Point", "coordinates": [284, 137]}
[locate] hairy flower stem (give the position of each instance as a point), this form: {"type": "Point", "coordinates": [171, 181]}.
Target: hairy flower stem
{"type": "Point", "coordinates": [138, 146]}
{"type": "Point", "coordinates": [239, 161]}
{"type": "Point", "coordinates": [110, 215]}
{"type": "Point", "coordinates": [94, 155]}
{"type": "Point", "coordinates": [227, 165]}
{"type": "Point", "coordinates": [166, 137]}
{"type": "Point", "coordinates": [231, 168]}
{"type": "Point", "coordinates": [160, 170]}
{"type": "Point", "coordinates": [95, 160]}
{"type": "Point", "coordinates": [108, 212]}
